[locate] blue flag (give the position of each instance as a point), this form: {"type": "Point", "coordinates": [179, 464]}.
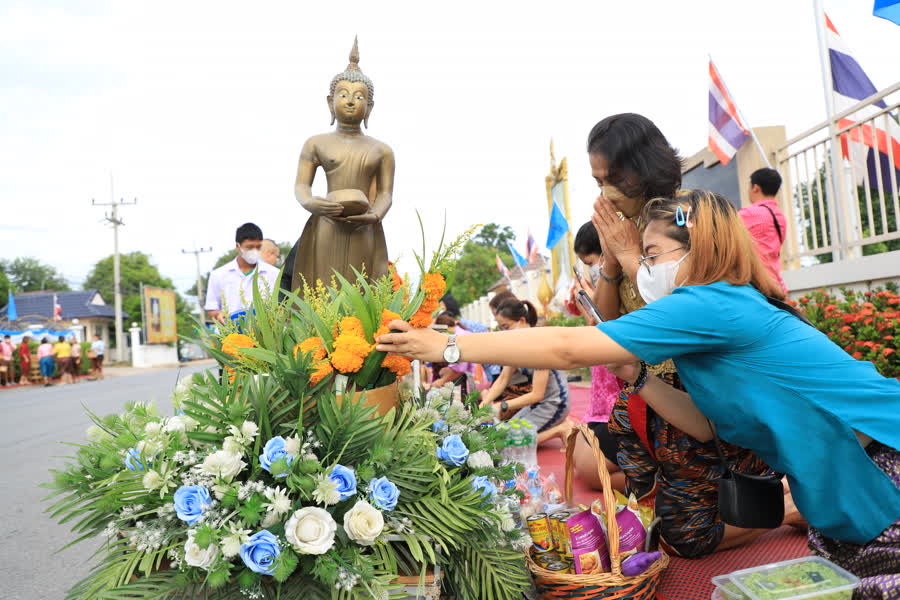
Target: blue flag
{"type": "Point", "coordinates": [887, 9]}
{"type": "Point", "coordinates": [11, 314]}
{"type": "Point", "coordinates": [518, 258]}
{"type": "Point", "coordinates": [558, 226]}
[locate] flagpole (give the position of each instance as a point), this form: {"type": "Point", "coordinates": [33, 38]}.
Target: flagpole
{"type": "Point", "coordinates": [737, 107]}
{"type": "Point", "coordinates": [837, 242]}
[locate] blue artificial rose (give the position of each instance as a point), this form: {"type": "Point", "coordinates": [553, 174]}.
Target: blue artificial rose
{"type": "Point", "coordinates": [190, 502]}
{"type": "Point", "coordinates": [272, 451]}
{"type": "Point", "coordinates": [133, 460]}
{"type": "Point", "coordinates": [439, 425]}
{"type": "Point", "coordinates": [261, 552]}
{"type": "Point", "coordinates": [383, 494]}
{"type": "Point", "coordinates": [484, 485]}
{"type": "Point", "coordinates": [453, 451]}
{"type": "Point", "coordinates": [345, 479]}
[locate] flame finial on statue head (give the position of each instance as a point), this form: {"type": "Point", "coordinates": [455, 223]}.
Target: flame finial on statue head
{"type": "Point", "coordinates": [353, 73]}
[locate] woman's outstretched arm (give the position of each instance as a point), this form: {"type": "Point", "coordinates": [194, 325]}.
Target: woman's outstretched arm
{"type": "Point", "coordinates": [535, 348]}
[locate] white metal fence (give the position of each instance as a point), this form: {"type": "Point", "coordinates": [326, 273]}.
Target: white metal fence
{"type": "Point", "coordinates": [842, 208]}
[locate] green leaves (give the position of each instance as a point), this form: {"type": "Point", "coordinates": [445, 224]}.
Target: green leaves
{"type": "Point", "coordinates": [252, 510]}
{"type": "Point", "coordinates": [285, 566]}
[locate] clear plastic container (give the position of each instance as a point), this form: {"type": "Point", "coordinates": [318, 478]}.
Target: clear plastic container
{"type": "Point", "coordinates": [807, 578]}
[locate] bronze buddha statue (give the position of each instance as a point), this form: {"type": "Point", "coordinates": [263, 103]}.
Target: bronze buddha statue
{"type": "Point", "coordinates": [344, 230]}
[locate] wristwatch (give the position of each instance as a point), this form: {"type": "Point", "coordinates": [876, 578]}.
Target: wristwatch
{"type": "Point", "coordinates": [451, 352]}
{"type": "Point", "coordinates": [504, 406]}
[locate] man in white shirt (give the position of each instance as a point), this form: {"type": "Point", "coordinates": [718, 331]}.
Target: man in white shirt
{"type": "Point", "coordinates": [231, 285]}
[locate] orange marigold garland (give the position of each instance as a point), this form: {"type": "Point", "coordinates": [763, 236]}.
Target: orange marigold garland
{"type": "Point", "coordinates": [322, 370]}
{"type": "Point", "coordinates": [234, 341]}
{"type": "Point", "coordinates": [313, 345]}
{"type": "Point", "coordinates": [350, 351]}
{"type": "Point", "coordinates": [352, 326]}
{"type": "Point", "coordinates": [435, 285]}
{"type": "Point", "coordinates": [398, 365]}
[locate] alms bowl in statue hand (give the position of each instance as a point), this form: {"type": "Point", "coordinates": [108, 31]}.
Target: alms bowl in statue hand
{"type": "Point", "coordinates": [353, 201]}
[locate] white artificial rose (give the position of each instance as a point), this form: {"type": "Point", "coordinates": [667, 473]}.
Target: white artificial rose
{"type": "Point", "coordinates": [231, 546]}
{"type": "Point", "coordinates": [230, 444]}
{"type": "Point", "coordinates": [152, 480]}
{"type": "Point", "coordinates": [249, 430]}
{"type": "Point", "coordinates": [480, 460]}
{"type": "Point", "coordinates": [223, 464]}
{"type": "Point", "coordinates": [196, 556]}
{"type": "Point", "coordinates": [292, 446]}
{"type": "Point", "coordinates": [180, 423]}
{"type": "Point", "coordinates": [153, 428]}
{"type": "Point", "coordinates": [310, 530]}
{"type": "Point", "coordinates": [363, 523]}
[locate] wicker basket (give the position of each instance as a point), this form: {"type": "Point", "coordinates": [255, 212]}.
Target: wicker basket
{"type": "Point", "coordinates": [605, 586]}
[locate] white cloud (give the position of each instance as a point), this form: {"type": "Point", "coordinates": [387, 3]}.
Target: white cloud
{"type": "Point", "coordinates": [200, 109]}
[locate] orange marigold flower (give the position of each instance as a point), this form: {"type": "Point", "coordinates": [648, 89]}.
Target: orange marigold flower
{"type": "Point", "coordinates": [322, 370]}
{"type": "Point", "coordinates": [421, 319]}
{"type": "Point", "coordinates": [396, 280]}
{"type": "Point", "coordinates": [352, 326]}
{"type": "Point", "coordinates": [397, 365]}
{"type": "Point", "coordinates": [346, 361]}
{"type": "Point", "coordinates": [312, 344]}
{"type": "Point", "coordinates": [233, 341]}
{"type": "Point", "coordinates": [434, 285]}
{"type": "Point", "coordinates": [353, 344]}
{"type": "Point", "coordinates": [383, 330]}
{"type": "Point", "coordinates": [388, 315]}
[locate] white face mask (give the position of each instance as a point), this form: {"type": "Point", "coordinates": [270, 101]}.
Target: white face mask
{"type": "Point", "coordinates": [251, 257]}
{"type": "Point", "coordinates": [656, 281]}
{"type": "Point", "coordinates": [594, 272]}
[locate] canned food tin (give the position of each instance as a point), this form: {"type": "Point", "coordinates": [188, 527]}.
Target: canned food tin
{"type": "Point", "coordinates": [560, 567]}
{"type": "Point", "coordinates": [547, 558]}
{"type": "Point", "coordinates": [554, 527]}
{"type": "Point", "coordinates": [563, 538]}
{"type": "Point", "coordinates": [539, 528]}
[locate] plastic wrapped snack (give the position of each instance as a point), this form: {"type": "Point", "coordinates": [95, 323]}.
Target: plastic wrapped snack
{"type": "Point", "coordinates": [588, 543]}
{"type": "Point", "coordinates": [632, 520]}
{"type": "Point", "coordinates": [807, 578]}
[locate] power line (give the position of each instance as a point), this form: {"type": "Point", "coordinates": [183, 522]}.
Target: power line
{"type": "Point", "coordinates": [197, 252]}
{"type": "Point", "coordinates": [113, 218]}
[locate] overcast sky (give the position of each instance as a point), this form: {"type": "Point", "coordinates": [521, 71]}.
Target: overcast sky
{"type": "Point", "coordinates": [199, 109]}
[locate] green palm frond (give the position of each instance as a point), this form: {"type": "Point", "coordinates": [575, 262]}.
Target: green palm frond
{"type": "Point", "coordinates": [487, 573]}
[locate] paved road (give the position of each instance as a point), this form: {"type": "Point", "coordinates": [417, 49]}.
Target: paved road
{"type": "Point", "coordinates": [35, 421]}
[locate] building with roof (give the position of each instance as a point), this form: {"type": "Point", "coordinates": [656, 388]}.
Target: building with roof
{"type": "Point", "coordinates": [86, 308]}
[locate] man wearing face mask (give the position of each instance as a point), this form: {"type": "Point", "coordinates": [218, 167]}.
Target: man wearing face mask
{"type": "Point", "coordinates": [230, 289]}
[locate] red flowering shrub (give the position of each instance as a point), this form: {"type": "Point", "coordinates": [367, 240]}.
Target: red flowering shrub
{"type": "Point", "coordinates": [865, 324]}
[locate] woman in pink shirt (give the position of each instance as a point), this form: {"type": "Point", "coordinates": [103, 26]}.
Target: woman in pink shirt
{"type": "Point", "coordinates": [45, 358]}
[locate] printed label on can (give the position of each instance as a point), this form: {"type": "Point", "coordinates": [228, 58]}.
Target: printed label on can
{"type": "Point", "coordinates": [539, 528]}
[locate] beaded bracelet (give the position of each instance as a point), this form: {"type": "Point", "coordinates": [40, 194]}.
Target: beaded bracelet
{"type": "Point", "coordinates": [640, 382]}
{"type": "Point", "coordinates": [607, 279]}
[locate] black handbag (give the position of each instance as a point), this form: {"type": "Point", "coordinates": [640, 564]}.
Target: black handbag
{"type": "Point", "coordinates": [749, 501]}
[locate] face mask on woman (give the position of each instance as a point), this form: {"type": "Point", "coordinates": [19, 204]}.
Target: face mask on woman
{"type": "Point", "coordinates": [656, 281]}
{"type": "Point", "coordinates": [594, 271]}
{"type": "Point", "coordinates": [251, 257]}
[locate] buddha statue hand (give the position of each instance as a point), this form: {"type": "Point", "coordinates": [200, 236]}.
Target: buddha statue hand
{"type": "Point", "coordinates": [367, 218]}
{"type": "Point", "coordinates": [323, 208]}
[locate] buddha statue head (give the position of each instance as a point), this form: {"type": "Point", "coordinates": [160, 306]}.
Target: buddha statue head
{"type": "Point", "coordinates": [352, 94]}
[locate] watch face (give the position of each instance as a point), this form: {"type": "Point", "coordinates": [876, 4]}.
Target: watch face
{"type": "Point", "coordinates": [451, 354]}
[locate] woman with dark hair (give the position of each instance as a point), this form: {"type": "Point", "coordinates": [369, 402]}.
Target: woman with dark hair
{"type": "Point", "coordinates": [540, 397]}
{"type": "Point", "coordinates": [756, 375]}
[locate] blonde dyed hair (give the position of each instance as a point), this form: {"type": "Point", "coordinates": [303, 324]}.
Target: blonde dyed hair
{"type": "Point", "coordinates": [720, 245]}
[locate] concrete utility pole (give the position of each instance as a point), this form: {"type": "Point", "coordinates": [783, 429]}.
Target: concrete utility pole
{"type": "Point", "coordinates": [117, 276]}
{"type": "Point", "coordinates": [196, 252]}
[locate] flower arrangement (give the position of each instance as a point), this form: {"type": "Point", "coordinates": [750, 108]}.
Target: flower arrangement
{"type": "Point", "coordinates": [269, 487]}
{"type": "Point", "coordinates": [865, 324]}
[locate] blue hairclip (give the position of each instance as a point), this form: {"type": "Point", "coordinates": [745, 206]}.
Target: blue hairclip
{"type": "Point", "coordinates": [680, 219]}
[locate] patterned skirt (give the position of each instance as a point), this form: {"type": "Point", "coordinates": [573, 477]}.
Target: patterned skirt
{"type": "Point", "coordinates": [876, 563]}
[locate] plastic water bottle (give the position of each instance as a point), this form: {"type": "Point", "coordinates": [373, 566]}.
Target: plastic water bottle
{"type": "Point", "coordinates": [515, 443]}
{"type": "Point", "coordinates": [529, 439]}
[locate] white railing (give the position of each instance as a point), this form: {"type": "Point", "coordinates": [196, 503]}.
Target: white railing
{"type": "Point", "coordinates": [831, 208]}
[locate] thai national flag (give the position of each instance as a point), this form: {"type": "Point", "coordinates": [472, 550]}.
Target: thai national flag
{"type": "Point", "coordinates": [501, 267]}
{"type": "Point", "coordinates": [851, 84]}
{"type": "Point", "coordinates": [726, 132]}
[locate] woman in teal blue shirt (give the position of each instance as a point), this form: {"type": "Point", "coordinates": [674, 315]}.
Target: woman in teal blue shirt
{"type": "Point", "coordinates": [767, 380]}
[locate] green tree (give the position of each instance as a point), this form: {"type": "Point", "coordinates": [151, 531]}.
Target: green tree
{"type": "Point", "coordinates": [136, 269]}
{"type": "Point", "coordinates": [229, 256]}
{"type": "Point", "coordinates": [4, 288]}
{"type": "Point", "coordinates": [27, 274]}
{"type": "Point", "coordinates": [476, 270]}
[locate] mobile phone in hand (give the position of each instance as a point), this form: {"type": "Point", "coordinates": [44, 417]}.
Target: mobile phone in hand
{"type": "Point", "coordinates": [588, 306]}
{"type": "Point", "coordinates": [578, 276]}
